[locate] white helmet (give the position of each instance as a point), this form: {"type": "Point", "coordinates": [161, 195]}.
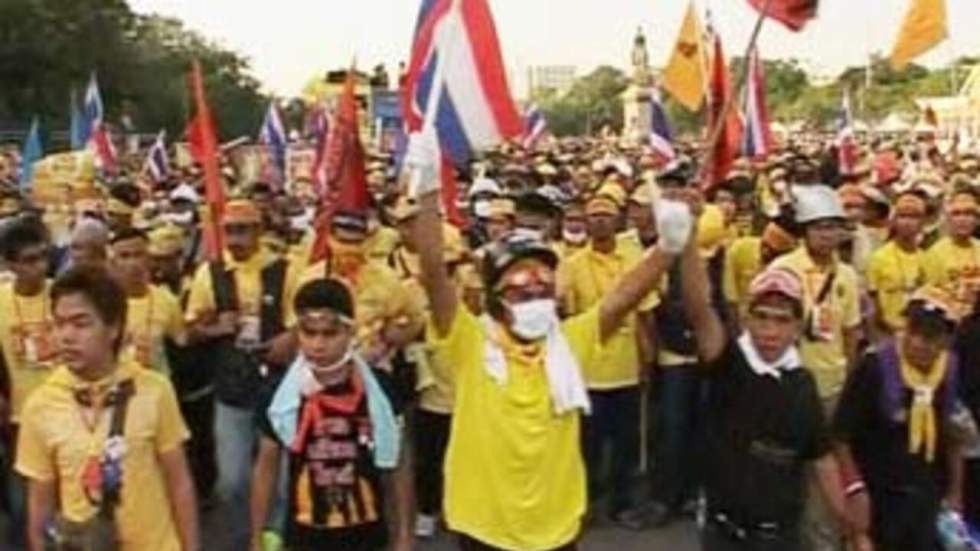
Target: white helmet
{"type": "Point", "coordinates": [816, 202]}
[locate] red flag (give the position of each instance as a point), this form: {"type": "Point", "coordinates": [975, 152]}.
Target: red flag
{"type": "Point", "coordinates": [204, 149]}
{"type": "Point", "coordinates": [345, 182]}
{"type": "Point", "coordinates": [447, 191]}
{"type": "Point", "coordinates": [728, 142]}
{"type": "Point", "coordinates": [793, 13]}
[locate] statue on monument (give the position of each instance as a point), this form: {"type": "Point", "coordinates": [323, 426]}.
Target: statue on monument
{"type": "Point", "coordinates": [641, 59]}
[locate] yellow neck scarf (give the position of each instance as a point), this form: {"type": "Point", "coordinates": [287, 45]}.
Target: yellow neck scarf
{"type": "Point", "coordinates": [922, 416]}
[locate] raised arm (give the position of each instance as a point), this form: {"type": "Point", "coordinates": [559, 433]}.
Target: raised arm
{"type": "Point", "coordinates": [427, 233]}
{"type": "Point", "coordinates": [695, 289]}
{"type": "Point", "coordinates": [630, 290]}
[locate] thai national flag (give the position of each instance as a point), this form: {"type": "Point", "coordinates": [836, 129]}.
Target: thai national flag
{"type": "Point", "coordinates": [757, 139]}
{"type": "Point", "coordinates": [535, 126]}
{"type": "Point", "coordinates": [456, 80]}
{"type": "Point", "coordinates": [273, 135]}
{"type": "Point", "coordinates": [847, 150]}
{"type": "Point", "coordinates": [157, 164]}
{"type": "Point", "coordinates": [661, 136]}
{"type": "Point", "coordinates": [94, 131]}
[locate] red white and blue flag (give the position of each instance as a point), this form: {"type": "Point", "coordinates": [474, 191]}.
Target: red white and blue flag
{"type": "Point", "coordinates": [757, 139]}
{"type": "Point", "coordinates": [456, 80]}
{"type": "Point", "coordinates": [157, 164]}
{"type": "Point", "coordinates": [847, 150]}
{"type": "Point", "coordinates": [94, 131]}
{"type": "Point", "coordinates": [273, 136]}
{"type": "Point", "coordinates": [535, 126]}
{"type": "Point", "coordinates": [661, 135]}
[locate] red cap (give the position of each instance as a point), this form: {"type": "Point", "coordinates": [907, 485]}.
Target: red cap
{"type": "Point", "coordinates": [778, 281]}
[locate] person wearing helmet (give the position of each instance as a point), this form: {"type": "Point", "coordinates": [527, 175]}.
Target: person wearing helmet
{"type": "Point", "coordinates": [519, 389]}
{"type": "Point", "coordinates": [832, 321]}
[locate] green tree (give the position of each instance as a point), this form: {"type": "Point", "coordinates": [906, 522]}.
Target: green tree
{"type": "Point", "coordinates": [49, 48]}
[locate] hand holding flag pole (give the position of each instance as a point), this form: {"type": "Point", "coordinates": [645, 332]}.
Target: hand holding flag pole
{"type": "Point", "coordinates": [721, 120]}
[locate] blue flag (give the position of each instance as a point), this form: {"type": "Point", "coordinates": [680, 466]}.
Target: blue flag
{"type": "Point", "coordinates": [30, 155]}
{"type": "Point", "coordinates": [76, 132]}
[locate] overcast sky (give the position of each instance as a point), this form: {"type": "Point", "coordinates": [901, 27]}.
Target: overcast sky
{"type": "Point", "coordinates": [288, 41]}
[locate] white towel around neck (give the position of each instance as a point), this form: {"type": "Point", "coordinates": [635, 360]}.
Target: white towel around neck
{"type": "Point", "coordinates": [565, 383]}
{"type": "Point", "coordinates": [789, 361]}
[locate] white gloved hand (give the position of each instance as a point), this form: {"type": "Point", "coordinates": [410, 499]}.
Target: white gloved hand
{"type": "Point", "coordinates": [422, 161]}
{"type": "Point", "coordinates": [674, 224]}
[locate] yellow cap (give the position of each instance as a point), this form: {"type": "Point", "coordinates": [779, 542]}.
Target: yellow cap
{"type": "Point", "coordinates": [9, 206]}
{"type": "Point", "coordinates": [615, 192]}
{"type": "Point", "coordinates": [117, 207]}
{"type": "Point", "coordinates": [242, 211]}
{"type": "Point", "coordinates": [643, 195]}
{"type": "Point", "coordinates": [501, 207]}
{"type": "Point", "coordinates": [711, 230]}
{"type": "Point", "coordinates": [166, 240]}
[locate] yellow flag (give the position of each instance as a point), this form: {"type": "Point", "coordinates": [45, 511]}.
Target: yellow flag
{"type": "Point", "coordinates": [923, 28]}
{"type": "Point", "coordinates": [684, 76]}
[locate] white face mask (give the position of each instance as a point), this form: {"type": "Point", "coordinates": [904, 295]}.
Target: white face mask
{"type": "Point", "coordinates": [574, 237]}
{"type": "Point", "coordinates": [179, 218]}
{"type": "Point", "coordinates": [481, 209]}
{"type": "Point", "coordinates": [310, 384]}
{"type": "Point", "coordinates": [533, 319]}
{"type": "Point", "coordinates": [300, 223]}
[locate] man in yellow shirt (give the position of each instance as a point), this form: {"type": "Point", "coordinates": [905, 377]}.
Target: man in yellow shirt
{"type": "Point", "coordinates": [153, 315]}
{"type": "Point", "coordinates": [25, 327]}
{"type": "Point", "coordinates": [745, 258]}
{"type": "Point", "coordinates": [101, 442]}
{"type": "Point", "coordinates": [25, 337]}
{"type": "Point", "coordinates": [388, 317]}
{"type": "Point", "coordinates": [515, 479]}
{"type": "Point", "coordinates": [832, 322]}
{"type": "Point", "coordinates": [954, 261]}
{"type": "Point", "coordinates": [235, 310]}
{"type": "Point", "coordinates": [612, 377]}
{"type": "Point", "coordinates": [896, 270]}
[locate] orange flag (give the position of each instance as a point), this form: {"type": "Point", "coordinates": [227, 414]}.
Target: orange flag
{"type": "Point", "coordinates": [204, 147]}
{"type": "Point", "coordinates": [684, 77]}
{"type": "Point", "coordinates": [923, 28]}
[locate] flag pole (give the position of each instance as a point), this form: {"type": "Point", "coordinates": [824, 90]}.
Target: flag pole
{"type": "Point", "coordinates": [729, 98]}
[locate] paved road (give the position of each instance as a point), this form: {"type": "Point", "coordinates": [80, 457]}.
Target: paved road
{"type": "Point", "coordinates": [677, 537]}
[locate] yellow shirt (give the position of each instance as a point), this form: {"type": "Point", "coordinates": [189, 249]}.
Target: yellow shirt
{"type": "Point", "coordinates": [893, 275]}
{"type": "Point", "coordinates": [955, 268]}
{"type": "Point", "coordinates": [380, 243]}
{"type": "Point", "coordinates": [149, 320]}
{"type": "Point", "coordinates": [379, 297]}
{"type": "Point", "coordinates": [248, 285]}
{"type": "Point", "coordinates": [742, 263]}
{"type": "Point", "coordinates": [826, 358]}
{"type": "Point", "coordinates": [583, 280]}
{"type": "Point", "coordinates": [26, 335]}
{"type": "Point", "coordinates": [514, 473]}
{"type": "Point", "coordinates": [56, 444]}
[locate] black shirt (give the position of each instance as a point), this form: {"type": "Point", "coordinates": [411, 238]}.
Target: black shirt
{"type": "Point", "coordinates": [878, 434]}
{"type": "Point", "coordinates": [336, 499]}
{"type": "Point", "coordinates": [761, 432]}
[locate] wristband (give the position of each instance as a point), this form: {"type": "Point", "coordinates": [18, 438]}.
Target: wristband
{"type": "Point", "coordinates": [854, 488]}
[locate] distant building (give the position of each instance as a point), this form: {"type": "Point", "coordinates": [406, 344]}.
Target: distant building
{"type": "Point", "coordinates": [554, 78]}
